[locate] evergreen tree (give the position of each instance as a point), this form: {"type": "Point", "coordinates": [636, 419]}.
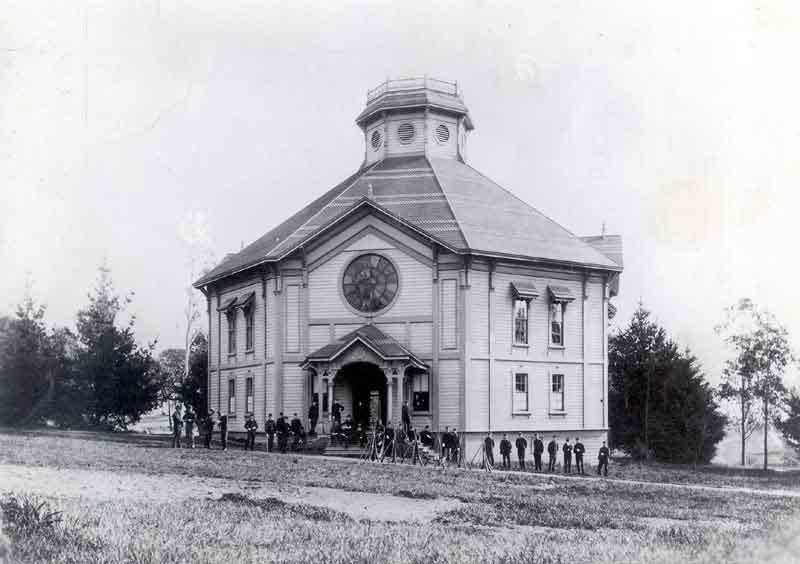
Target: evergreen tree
{"type": "Point", "coordinates": [121, 375]}
{"type": "Point", "coordinates": [660, 404]}
{"type": "Point", "coordinates": [23, 363]}
{"type": "Point", "coordinates": [194, 387]}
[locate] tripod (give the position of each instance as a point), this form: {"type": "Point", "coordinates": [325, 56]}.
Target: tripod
{"type": "Point", "coordinates": [485, 462]}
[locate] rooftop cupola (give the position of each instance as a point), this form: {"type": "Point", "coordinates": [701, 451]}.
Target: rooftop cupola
{"type": "Point", "coordinates": [414, 116]}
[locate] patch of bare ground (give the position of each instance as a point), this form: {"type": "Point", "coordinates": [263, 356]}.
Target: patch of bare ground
{"type": "Point", "coordinates": [101, 485]}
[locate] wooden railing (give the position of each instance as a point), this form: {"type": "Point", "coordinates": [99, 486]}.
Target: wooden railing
{"type": "Point", "coordinates": [414, 83]}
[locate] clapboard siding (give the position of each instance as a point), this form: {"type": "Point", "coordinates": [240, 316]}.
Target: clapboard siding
{"type": "Point", "coordinates": [340, 330]}
{"type": "Point", "coordinates": [394, 147]}
{"type": "Point", "coordinates": [292, 318]}
{"type": "Point", "coordinates": [213, 390]}
{"type": "Point", "coordinates": [539, 388]}
{"type": "Point", "coordinates": [318, 336]}
{"type": "Point", "coordinates": [293, 388]}
{"type": "Point", "coordinates": [435, 147]}
{"type": "Point", "coordinates": [479, 316]}
{"type": "Point", "coordinates": [596, 321]}
{"type": "Point", "coordinates": [451, 389]}
{"type": "Point", "coordinates": [421, 338]}
{"type": "Point", "coordinates": [594, 396]}
{"type": "Point", "coordinates": [449, 309]}
{"type": "Point", "coordinates": [538, 318]}
{"type": "Point", "coordinates": [396, 331]}
{"type": "Point", "coordinates": [272, 311]}
{"type": "Point", "coordinates": [366, 233]}
{"type": "Point", "coordinates": [413, 298]}
{"type": "Point", "coordinates": [477, 399]}
{"type": "Point", "coordinates": [271, 406]}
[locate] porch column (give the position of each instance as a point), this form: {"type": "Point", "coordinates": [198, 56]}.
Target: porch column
{"type": "Point", "coordinates": [330, 401]}
{"type": "Point", "coordinates": [401, 392]}
{"type": "Point", "coordinates": [389, 397]}
{"type": "Point", "coordinates": [318, 387]}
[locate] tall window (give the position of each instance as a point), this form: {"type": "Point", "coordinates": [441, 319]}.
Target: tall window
{"type": "Point", "coordinates": [557, 324]}
{"type": "Point", "coordinates": [248, 388]}
{"type": "Point", "coordinates": [520, 399]}
{"type": "Point", "coordinates": [231, 331]}
{"type": "Point", "coordinates": [557, 392]}
{"type": "Point", "coordinates": [231, 397]}
{"type": "Point", "coordinates": [248, 328]}
{"type": "Point", "coordinates": [520, 322]}
{"type": "Point", "coordinates": [420, 394]}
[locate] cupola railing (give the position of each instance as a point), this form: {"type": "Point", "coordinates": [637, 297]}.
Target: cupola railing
{"type": "Point", "coordinates": [410, 84]}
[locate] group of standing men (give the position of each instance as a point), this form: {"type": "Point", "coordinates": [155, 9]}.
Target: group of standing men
{"type": "Point", "coordinates": [521, 444]}
{"type": "Point", "coordinates": [184, 425]}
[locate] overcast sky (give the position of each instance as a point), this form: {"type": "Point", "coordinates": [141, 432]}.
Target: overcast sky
{"type": "Point", "coordinates": [676, 123]}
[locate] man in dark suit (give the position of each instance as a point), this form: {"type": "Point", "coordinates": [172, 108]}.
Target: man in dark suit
{"type": "Point", "coordinates": [505, 451]}
{"type": "Point", "coordinates": [521, 445]}
{"type": "Point", "coordinates": [579, 449]}
{"type": "Point", "coordinates": [488, 447]}
{"type": "Point", "coordinates": [538, 449]}
{"type": "Point", "coordinates": [552, 451]}
{"type": "Point", "coordinates": [567, 449]}
{"type": "Point", "coordinates": [602, 459]}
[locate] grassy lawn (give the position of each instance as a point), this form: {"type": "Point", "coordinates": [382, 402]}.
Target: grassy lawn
{"type": "Point", "coordinates": [499, 517]}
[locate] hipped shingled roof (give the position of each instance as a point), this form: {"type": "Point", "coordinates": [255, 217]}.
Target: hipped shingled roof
{"type": "Point", "coordinates": [447, 200]}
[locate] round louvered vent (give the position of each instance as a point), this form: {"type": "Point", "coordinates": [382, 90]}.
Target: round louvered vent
{"type": "Point", "coordinates": [406, 133]}
{"type": "Point", "coordinates": [377, 140]}
{"type": "Point", "coordinates": [442, 133]}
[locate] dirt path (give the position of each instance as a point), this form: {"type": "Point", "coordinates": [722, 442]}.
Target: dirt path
{"type": "Point", "coordinates": [102, 485]}
{"type": "Point", "coordinates": [772, 492]}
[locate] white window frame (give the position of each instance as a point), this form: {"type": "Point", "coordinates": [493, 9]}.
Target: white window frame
{"type": "Point", "coordinates": [231, 396]}
{"type": "Point", "coordinates": [516, 406]}
{"type": "Point", "coordinates": [420, 382]}
{"type": "Point", "coordinates": [249, 395]}
{"type": "Point", "coordinates": [527, 306]}
{"type": "Point", "coordinates": [555, 307]}
{"type": "Point", "coordinates": [552, 393]}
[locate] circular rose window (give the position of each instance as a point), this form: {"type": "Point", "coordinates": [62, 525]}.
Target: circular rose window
{"type": "Point", "coordinates": [370, 283]}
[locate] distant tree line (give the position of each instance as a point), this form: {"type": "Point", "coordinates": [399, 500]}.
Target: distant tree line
{"type": "Point", "coordinates": [94, 376]}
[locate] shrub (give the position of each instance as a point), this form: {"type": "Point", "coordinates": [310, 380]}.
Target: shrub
{"type": "Point", "coordinates": [26, 516]}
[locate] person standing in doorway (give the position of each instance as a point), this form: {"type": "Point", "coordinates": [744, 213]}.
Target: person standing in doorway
{"type": "Point", "coordinates": [405, 417]}
{"type": "Point", "coordinates": [552, 451]}
{"type": "Point", "coordinates": [521, 445]}
{"type": "Point", "coordinates": [313, 417]}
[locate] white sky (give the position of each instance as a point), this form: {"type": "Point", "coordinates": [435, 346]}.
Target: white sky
{"type": "Point", "coordinates": [678, 123]}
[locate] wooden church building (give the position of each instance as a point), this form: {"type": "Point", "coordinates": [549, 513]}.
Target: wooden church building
{"type": "Point", "coordinates": [420, 280]}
